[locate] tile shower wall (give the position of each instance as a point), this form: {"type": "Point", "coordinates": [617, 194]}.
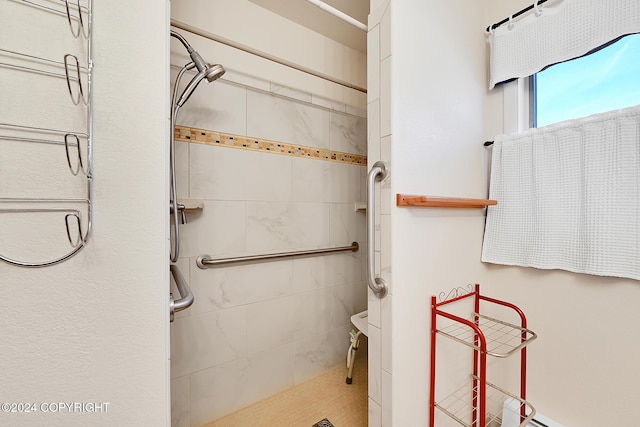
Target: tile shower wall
{"type": "Point", "coordinates": [257, 329]}
{"type": "Point", "coordinates": [379, 148]}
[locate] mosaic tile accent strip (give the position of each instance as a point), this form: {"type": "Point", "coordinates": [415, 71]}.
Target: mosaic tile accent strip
{"type": "Point", "coordinates": [202, 136]}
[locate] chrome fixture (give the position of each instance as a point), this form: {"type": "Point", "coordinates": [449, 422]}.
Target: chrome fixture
{"type": "Point", "coordinates": [378, 172]}
{"type": "Point", "coordinates": [205, 261]}
{"type": "Point", "coordinates": [186, 297]}
{"type": "Point", "coordinates": [205, 71]}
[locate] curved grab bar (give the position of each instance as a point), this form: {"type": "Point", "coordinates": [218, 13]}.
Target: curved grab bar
{"type": "Point", "coordinates": [377, 284]}
{"type": "Point", "coordinates": [186, 296]}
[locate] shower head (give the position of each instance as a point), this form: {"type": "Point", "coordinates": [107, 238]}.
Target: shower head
{"type": "Point", "coordinates": [211, 73]}
{"type": "Point", "coordinates": [205, 70]}
{"type": "Point", "coordinates": [214, 72]}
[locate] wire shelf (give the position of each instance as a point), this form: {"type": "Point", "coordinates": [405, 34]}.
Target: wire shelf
{"type": "Point", "coordinates": [503, 339]}
{"type": "Point", "coordinates": [458, 405]}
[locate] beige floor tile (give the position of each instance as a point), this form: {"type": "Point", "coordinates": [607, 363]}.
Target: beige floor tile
{"type": "Point", "coordinates": [326, 396]}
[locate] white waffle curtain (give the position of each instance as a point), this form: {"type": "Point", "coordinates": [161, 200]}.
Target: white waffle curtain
{"type": "Point", "coordinates": [556, 33]}
{"type": "Point", "coordinates": [568, 197]}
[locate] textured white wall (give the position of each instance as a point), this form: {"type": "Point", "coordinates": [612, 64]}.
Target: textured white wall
{"type": "Point", "coordinates": [583, 367]}
{"type": "Point", "coordinates": [95, 328]}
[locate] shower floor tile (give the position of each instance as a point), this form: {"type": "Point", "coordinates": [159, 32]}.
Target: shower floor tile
{"type": "Point", "coordinates": [326, 396]}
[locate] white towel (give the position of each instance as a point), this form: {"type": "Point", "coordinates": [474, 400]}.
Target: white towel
{"type": "Point", "coordinates": [568, 197]}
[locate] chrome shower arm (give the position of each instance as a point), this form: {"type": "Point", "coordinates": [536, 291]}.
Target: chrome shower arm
{"type": "Point", "coordinates": [195, 56]}
{"type": "Point", "coordinates": [184, 41]}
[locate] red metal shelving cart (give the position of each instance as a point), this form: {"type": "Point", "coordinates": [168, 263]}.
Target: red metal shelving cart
{"type": "Point", "coordinates": [487, 336]}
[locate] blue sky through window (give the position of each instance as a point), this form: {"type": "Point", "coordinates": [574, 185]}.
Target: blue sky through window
{"type": "Point", "coordinates": [606, 80]}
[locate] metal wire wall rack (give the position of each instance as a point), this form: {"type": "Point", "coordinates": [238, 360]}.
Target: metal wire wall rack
{"type": "Point", "coordinates": [45, 71]}
{"type": "Point", "coordinates": [487, 336]}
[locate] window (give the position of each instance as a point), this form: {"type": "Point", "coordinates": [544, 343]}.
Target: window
{"type": "Point", "coordinates": [606, 80]}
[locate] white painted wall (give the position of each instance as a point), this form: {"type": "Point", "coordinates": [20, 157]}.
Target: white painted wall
{"type": "Point", "coordinates": [95, 328]}
{"type": "Point", "coordinates": [430, 103]}
{"type": "Point", "coordinates": [583, 367]}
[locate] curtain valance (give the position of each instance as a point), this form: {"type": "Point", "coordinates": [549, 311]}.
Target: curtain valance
{"type": "Point", "coordinates": [558, 32]}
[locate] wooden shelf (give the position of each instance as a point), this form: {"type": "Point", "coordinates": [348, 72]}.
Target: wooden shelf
{"type": "Point", "coordinates": [442, 202]}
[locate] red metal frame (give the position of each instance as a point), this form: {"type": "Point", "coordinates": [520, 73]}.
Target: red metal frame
{"type": "Point", "coordinates": [479, 398]}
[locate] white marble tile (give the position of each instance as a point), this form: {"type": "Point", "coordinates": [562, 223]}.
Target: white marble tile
{"type": "Point", "coordinates": [321, 272]}
{"type": "Point", "coordinates": [362, 113]}
{"type": "Point", "coordinates": [328, 103]}
{"type": "Point", "coordinates": [385, 251]}
{"type": "Point", "coordinates": [285, 320]}
{"type": "Point", "coordinates": [373, 139]}
{"type": "Point", "coordinates": [373, 64]}
{"type": "Point", "coordinates": [377, 10]}
{"type": "Point", "coordinates": [385, 35]}
{"type": "Point", "coordinates": [317, 353]}
{"type": "Point", "coordinates": [363, 189]}
{"type": "Point", "coordinates": [345, 180]}
{"type": "Point", "coordinates": [375, 414]}
{"type": "Point", "coordinates": [283, 226]}
{"type": "Point", "coordinates": [218, 106]}
{"type": "Point", "coordinates": [243, 79]}
{"type": "Point", "coordinates": [221, 173]}
{"type": "Point", "coordinates": [182, 169]}
{"type": "Point", "coordinates": [374, 309]}
{"type": "Point", "coordinates": [218, 230]}
{"type": "Point", "coordinates": [311, 180]}
{"type": "Point", "coordinates": [180, 402]}
{"type": "Point", "coordinates": [201, 341]}
{"type": "Point", "coordinates": [342, 305]}
{"type": "Point", "coordinates": [360, 302]}
{"type": "Point", "coordinates": [232, 286]}
{"type": "Point", "coordinates": [279, 119]}
{"type": "Point", "coordinates": [386, 198]}
{"type": "Point", "coordinates": [290, 92]}
{"type": "Point", "coordinates": [348, 133]}
{"type": "Point", "coordinates": [221, 390]}
{"type": "Point", "coordinates": [375, 379]}
{"type": "Point", "coordinates": [386, 305]}
{"type": "Point", "coordinates": [386, 399]}
{"type": "Point", "coordinates": [347, 225]}
{"type": "Point", "coordinates": [385, 97]}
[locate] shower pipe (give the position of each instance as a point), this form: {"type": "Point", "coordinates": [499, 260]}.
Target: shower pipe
{"type": "Point", "coordinates": [263, 55]}
{"type": "Point", "coordinates": [378, 172]}
{"type": "Point", "coordinates": [205, 71]}
{"type": "Point", "coordinates": [205, 261]}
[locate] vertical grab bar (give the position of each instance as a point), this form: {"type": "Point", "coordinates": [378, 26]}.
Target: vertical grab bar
{"type": "Point", "coordinates": [377, 284]}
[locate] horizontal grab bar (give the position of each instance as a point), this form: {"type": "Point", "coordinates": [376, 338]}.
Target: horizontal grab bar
{"type": "Point", "coordinates": [205, 261]}
{"type": "Point", "coordinates": [186, 297]}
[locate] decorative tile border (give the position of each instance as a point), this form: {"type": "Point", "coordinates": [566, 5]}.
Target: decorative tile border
{"type": "Point", "coordinates": [202, 136]}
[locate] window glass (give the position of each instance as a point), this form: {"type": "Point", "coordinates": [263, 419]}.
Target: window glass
{"type": "Point", "coordinates": [606, 80]}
